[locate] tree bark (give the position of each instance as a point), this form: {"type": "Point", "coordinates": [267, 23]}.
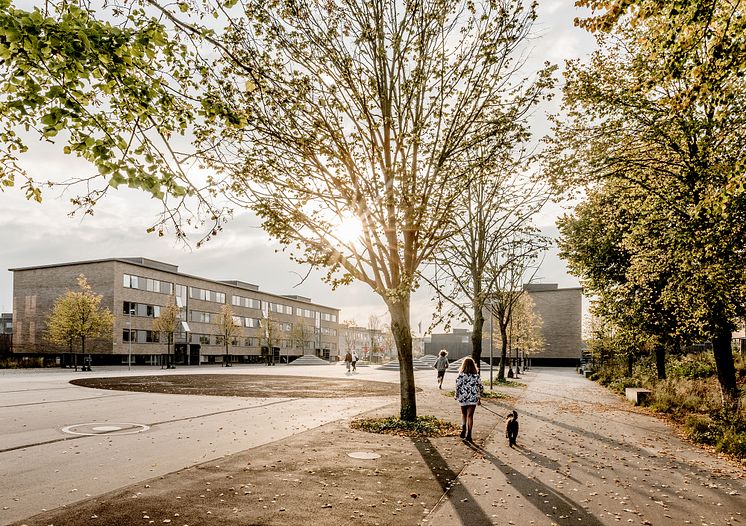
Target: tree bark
{"type": "Point", "coordinates": [401, 330]}
{"type": "Point", "coordinates": [660, 361]}
{"type": "Point", "coordinates": [726, 370]}
{"type": "Point", "coordinates": [476, 335]}
{"type": "Point", "coordinates": [630, 363]}
{"type": "Point", "coordinates": [503, 352]}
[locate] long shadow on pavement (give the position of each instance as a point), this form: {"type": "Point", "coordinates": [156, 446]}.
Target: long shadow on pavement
{"type": "Point", "coordinates": [544, 498]}
{"type": "Point", "coordinates": [621, 445]}
{"type": "Point", "coordinates": [463, 502]}
{"type": "Point", "coordinates": [543, 461]}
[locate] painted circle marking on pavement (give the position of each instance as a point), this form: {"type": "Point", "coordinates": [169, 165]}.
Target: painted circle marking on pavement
{"type": "Point", "coordinates": [364, 455]}
{"type": "Point", "coordinates": [105, 428]}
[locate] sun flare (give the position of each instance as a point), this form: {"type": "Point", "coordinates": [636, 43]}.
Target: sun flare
{"type": "Point", "coordinates": [349, 230]}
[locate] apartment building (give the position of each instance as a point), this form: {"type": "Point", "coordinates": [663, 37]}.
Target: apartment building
{"type": "Point", "coordinates": [272, 327]}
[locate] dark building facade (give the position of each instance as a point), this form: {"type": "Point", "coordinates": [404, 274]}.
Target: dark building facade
{"type": "Point", "coordinates": [457, 343]}
{"type": "Point", "coordinates": [136, 289]}
{"type": "Point", "coordinates": [561, 314]}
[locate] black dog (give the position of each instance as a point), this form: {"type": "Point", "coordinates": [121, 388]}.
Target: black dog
{"type": "Point", "coordinates": [511, 428]}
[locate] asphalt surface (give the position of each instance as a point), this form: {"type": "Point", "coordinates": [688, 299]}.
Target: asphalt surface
{"type": "Point", "coordinates": [584, 456]}
{"type": "Point", "coordinates": [58, 445]}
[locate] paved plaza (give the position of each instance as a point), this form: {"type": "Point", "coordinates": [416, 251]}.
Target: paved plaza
{"type": "Point", "coordinates": [75, 455]}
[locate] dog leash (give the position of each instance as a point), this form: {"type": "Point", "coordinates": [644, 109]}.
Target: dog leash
{"type": "Point", "coordinates": [491, 411]}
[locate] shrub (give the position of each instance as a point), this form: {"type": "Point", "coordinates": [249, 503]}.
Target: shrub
{"type": "Point", "coordinates": [681, 396]}
{"type": "Point", "coordinates": [702, 429]}
{"type": "Point", "coordinates": [733, 443]}
{"type": "Point", "coordinates": [692, 366]}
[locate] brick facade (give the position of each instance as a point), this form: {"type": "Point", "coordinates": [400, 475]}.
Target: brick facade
{"type": "Point", "coordinates": [35, 290]}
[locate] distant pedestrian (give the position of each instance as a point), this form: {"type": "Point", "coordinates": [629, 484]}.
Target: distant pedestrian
{"type": "Point", "coordinates": [348, 361]}
{"type": "Point", "coordinates": [469, 390]}
{"type": "Point", "coordinates": [441, 364]}
{"type": "Point", "coordinates": [511, 428]}
{"type": "Point", "coordinates": [354, 361]}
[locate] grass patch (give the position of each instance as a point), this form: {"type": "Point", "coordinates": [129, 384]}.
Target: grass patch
{"type": "Point", "coordinates": [424, 426]}
{"type": "Point", "coordinates": [493, 395]}
{"type": "Point", "coordinates": [504, 383]}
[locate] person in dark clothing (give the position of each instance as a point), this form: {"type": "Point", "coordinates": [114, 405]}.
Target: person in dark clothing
{"type": "Point", "coordinates": [441, 364]}
{"type": "Point", "coordinates": [511, 428]}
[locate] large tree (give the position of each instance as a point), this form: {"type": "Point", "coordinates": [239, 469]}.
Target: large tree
{"type": "Point", "coordinates": [77, 316]}
{"type": "Point", "coordinates": [606, 242]}
{"type": "Point", "coordinates": [361, 112]}
{"type": "Point", "coordinates": [660, 107]}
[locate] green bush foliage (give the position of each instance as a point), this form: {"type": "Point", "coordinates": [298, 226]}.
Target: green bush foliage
{"type": "Point", "coordinates": [678, 396]}
{"type": "Point", "coordinates": [700, 365]}
{"type": "Point", "coordinates": [702, 429]}
{"type": "Point", "coordinates": [732, 442]}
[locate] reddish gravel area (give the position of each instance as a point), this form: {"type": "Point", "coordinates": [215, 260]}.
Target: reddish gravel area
{"type": "Point", "coordinates": [263, 386]}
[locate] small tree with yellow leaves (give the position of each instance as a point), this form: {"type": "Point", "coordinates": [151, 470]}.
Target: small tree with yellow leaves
{"type": "Point", "coordinates": [78, 316]}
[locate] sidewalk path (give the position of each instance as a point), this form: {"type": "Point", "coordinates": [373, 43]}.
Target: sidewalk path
{"type": "Point", "coordinates": [586, 457]}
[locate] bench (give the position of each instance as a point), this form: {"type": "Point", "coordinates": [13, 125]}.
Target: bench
{"type": "Point", "coordinates": [636, 394]}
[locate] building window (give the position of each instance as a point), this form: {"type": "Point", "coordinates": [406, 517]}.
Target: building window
{"type": "Point", "coordinates": [151, 285]}
{"type": "Point", "coordinates": [140, 336]}
{"type": "Point", "coordinates": [249, 303]}
{"type": "Point", "coordinates": [201, 317]}
{"type": "Point", "coordinates": [140, 309]}
{"type": "Point", "coordinates": [206, 295]}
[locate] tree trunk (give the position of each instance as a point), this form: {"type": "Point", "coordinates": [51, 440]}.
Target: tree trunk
{"type": "Point", "coordinates": [476, 335]}
{"type": "Point", "coordinates": [630, 363]}
{"type": "Point", "coordinates": [660, 361]}
{"type": "Point", "coordinates": [400, 328]}
{"type": "Point", "coordinates": [721, 348]}
{"type": "Point", "coordinates": [503, 352]}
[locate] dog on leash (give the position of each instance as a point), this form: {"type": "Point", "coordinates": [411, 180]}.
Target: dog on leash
{"type": "Point", "coordinates": [511, 428]}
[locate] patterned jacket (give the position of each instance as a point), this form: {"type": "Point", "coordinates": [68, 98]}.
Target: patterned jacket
{"type": "Point", "coordinates": [468, 388]}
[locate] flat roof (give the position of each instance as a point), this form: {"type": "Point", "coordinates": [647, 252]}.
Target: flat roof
{"type": "Point", "coordinates": [166, 267]}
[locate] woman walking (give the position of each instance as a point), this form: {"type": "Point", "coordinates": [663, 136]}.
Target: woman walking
{"type": "Point", "coordinates": [441, 365]}
{"type": "Point", "coordinates": [468, 392]}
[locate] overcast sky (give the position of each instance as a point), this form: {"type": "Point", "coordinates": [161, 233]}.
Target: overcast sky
{"type": "Point", "coordinates": [38, 234]}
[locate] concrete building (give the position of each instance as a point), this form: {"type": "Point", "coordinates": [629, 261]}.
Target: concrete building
{"type": "Point", "coordinates": [136, 289]}
{"type": "Point", "coordinates": [561, 313]}
{"type": "Point", "coordinates": [457, 343]}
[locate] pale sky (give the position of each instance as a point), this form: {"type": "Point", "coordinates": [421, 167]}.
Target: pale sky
{"type": "Point", "coordinates": [37, 234]}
